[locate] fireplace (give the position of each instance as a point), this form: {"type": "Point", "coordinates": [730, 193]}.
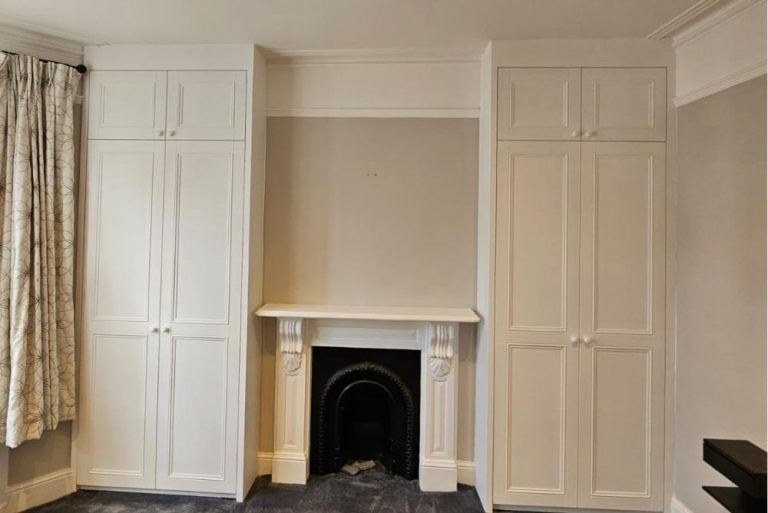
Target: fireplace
{"type": "Point", "coordinates": [365, 406]}
{"type": "Point", "coordinates": [356, 382]}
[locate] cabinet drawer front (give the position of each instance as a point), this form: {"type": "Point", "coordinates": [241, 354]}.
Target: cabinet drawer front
{"type": "Point", "coordinates": [127, 105]}
{"type": "Point", "coordinates": [539, 103]}
{"type": "Point", "coordinates": [206, 105]}
{"type": "Point", "coordinates": [624, 104]}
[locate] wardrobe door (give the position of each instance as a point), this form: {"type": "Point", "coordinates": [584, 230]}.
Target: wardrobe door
{"type": "Point", "coordinates": [624, 104]}
{"type": "Point", "coordinates": [118, 362]}
{"type": "Point", "coordinates": [538, 104]}
{"type": "Point", "coordinates": [621, 428]}
{"type": "Point", "coordinates": [537, 312]}
{"type": "Point", "coordinates": [200, 317]}
{"type": "Point", "coordinates": [126, 104]}
{"type": "Point", "coordinates": [206, 105]}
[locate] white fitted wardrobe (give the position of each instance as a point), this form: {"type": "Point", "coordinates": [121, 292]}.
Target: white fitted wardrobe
{"type": "Point", "coordinates": [579, 282]}
{"type": "Point", "coordinates": [172, 247]}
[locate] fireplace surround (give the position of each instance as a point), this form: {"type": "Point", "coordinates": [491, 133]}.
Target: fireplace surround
{"type": "Point", "coordinates": [431, 332]}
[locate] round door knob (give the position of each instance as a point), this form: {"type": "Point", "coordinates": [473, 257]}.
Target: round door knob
{"type": "Point", "coordinates": [587, 340]}
{"type": "Point", "coordinates": [155, 329]}
{"type": "Point", "coordinates": [576, 133]}
{"type": "Point", "coordinates": [574, 339]}
{"type": "Point", "coordinates": [171, 132]}
{"type": "Point", "coordinates": [166, 329]}
{"type": "Point", "coordinates": [160, 133]}
{"type": "Point", "coordinates": [589, 133]}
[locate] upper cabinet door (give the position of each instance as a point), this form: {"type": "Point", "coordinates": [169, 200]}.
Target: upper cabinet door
{"type": "Point", "coordinates": [206, 105]}
{"type": "Point", "coordinates": [624, 104]}
{"type": "Point", "coordinates": [537, 104]}
{"type": "Point", "coordinates": [127, 105]}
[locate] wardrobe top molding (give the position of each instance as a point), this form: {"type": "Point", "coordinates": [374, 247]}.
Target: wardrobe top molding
{"type": "Point", "coordinates": [219, 57]}
{"type": "Point", "coordinates": [582, 53]}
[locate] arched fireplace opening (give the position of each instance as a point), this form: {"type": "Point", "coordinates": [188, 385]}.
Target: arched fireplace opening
{"type": "Point", "coordinates": [365, 406]}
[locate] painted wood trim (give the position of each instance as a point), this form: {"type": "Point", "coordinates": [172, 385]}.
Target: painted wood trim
{"type": "Point", "coordinates": [40, 490]}
{"type": "Point", "coordinates": [371, 313]}
{"type": "Point", "coordinates": [712, 20]}
{"type": "Point", "coordinates": [672, 26]}
{"type": "Point", "coordinates": [721, 84]}
{"type": "Point", "coordinates": [26, 39]}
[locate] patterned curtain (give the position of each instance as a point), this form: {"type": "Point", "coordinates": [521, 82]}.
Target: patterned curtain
{"type": "Point", "coordinates": [37, 209]}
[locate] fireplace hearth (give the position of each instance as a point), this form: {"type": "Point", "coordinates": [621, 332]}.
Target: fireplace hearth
{"type": "Point", "coordinates": [365, 406]}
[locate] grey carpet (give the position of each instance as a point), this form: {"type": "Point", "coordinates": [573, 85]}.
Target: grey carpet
{"type": "Point", "coordinates": [373, 491]}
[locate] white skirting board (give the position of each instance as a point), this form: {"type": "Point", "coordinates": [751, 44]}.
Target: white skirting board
{"type": "Point", "coordinates": [466, 470]}
{"type": "Point", "coordinates": [40, 490]}
{"type": "Point", "coordinates": [678, 507]}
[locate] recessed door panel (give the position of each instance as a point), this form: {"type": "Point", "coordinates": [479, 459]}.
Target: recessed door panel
{"type": "Point", "coordinates": [539, 103]}
{"type": "Point", "coordinates": [198, 408]}
{"type": "Point", "coordinates": [206, 105]}
{"type": "Point", "coordinates": [127, 104]}
{"type": "Point", "coordinates": [203, 230]}
{"type": "Point", "coordinates": [536, 419]}
{"type": "Point", "coordinates": [624, 104]}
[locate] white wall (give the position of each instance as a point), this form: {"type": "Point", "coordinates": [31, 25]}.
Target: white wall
{"type": "Point", "coordinates": [721, 262]}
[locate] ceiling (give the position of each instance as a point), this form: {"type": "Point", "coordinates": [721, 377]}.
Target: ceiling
{"type": "Point", "coordinates": [339, 24]}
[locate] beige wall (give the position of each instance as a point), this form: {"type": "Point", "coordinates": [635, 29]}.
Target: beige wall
{"type": "Point", "coordinates": [372, 212]}
{"type": "Point", "coordinates": [721, 324]}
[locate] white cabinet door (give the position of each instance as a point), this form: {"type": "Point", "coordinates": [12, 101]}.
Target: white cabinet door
{"type": "Point", "coordinates": [621, 429]}
{"type": "Point", "coordinates": [127, 105]}
{"type": "Point", "coordinates": [200, 317]}
{"type": "Point", "coordinates": [624, 104]}
{"type": "Point", "coordinates": [537, 104]}
{"type": "Point", "coordinates": [206, 105]}
{"type": "Point", "coordinates": [118, 377]}
{"type": "Point", "coordinates": [537, 312]}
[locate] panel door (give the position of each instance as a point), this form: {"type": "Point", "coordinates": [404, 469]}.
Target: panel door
{"type": "Point", "coordinates": [624, 104]}
{"type": "Point", "coordinates": [536, 364]}
{"type": "Point", "coordinates": [622, 322]}
{"type": "Point", "coordinates": [200, 317]}
{"type": "Point", "coordinates": [118, 373]}
{"type": "Point", "coordinates": [127, 104]}
{"type": "Point", "coordinates": [206, 105]}
{"type": "Point", "coordinates": [537, 104]}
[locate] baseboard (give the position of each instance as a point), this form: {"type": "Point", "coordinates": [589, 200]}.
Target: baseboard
{"type": "Point", "coordinates": [676, 506]}
{"type": "Point", "coordinates": [264, 464]}
{"type": "Point", "coordinates": [466, 472]}
{"type": "Point", "coordinates": [40, 490]}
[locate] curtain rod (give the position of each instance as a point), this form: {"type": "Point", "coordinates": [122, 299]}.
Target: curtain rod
{"type": "Point", "coordinates": [79, 67]}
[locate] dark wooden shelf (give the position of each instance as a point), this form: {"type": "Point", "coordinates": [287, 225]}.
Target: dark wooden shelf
{"type": "Point", "coordinates": [741, 461]}
{"type": "Point", "coordinates": [736, 501]}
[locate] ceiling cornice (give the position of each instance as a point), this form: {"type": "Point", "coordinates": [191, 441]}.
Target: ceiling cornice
{"type": "Point", "coordinates": [674, 25]}
{"type": "Point", "coordinates": [24, 40]}
{"type": "Point", "coordinates": [293, 57]}
{"type": "Point", "coordinates": [712, 20]}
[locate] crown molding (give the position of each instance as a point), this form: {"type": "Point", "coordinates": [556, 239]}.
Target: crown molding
{"type": "Point", "coordinates": [671, 27]}
{"type": "Point", "coordinates": [715, 18]}
{"type": "Point", "coordinates": [370, 56]}
{"type": "Point", "coordinates": [721, 84]}
{"type": "Point", "coordinates": [20, 39]}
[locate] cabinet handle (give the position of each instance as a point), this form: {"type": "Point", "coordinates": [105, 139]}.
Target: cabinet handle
{"type": "Point", "coordinates": [171, 132]}
{"type": "Point", "coordinates": [576, 133]}
{"type": "Point", "coordinates": [166, 329]}
{"type": "Point", "coordinates": [154, 329]}
{"type": "Point", "coordinates": [160, 133]}
{"type": "Point", "coordinates": [589, 133]}
{"type": "Point", "coordinates": [587, 340]}
{"type": "Point", "coordinates": [574, 339]}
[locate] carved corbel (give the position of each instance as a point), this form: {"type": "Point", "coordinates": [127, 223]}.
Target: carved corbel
{"type": "Point", "coordinates": [291, 343]}
{"type": "Point", "coordinates": [441, 344]}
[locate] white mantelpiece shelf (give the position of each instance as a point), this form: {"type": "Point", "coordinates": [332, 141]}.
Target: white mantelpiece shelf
{"type": "Point", "coordinates": [369, 313]}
